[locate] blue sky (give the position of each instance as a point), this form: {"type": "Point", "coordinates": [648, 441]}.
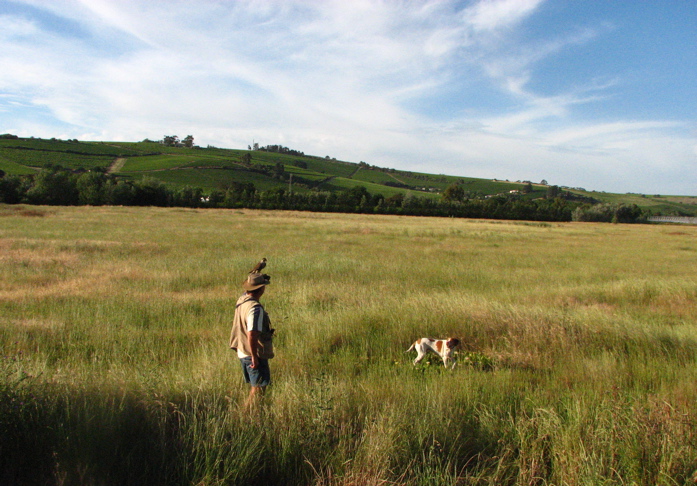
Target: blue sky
{"type": "Point", "coordinates": [600, 94]}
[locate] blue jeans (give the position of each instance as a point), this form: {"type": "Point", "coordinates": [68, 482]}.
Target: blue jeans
{"type": "Point", "coordinates": [261, 376]}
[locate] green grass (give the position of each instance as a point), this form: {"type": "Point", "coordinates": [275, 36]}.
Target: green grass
{"type": "Point", "coordinates": [374, 176]}
{"type": "Point", "coordinates": [85, 148]}
{"type": "Point", "coordinates": [578, 362]}
{"type": "Point", "coordinates": [15, 168]}
{"type": "Point", "coordinates": [439, 182]}
{"type": "Point", "coordinates": [24, 159]}
{"type": "Point", "coordinates": [169, 161]}
{"type": "Point", "coordinates": [209, 179]}
{"type": "Point", "coordinates": [305, 173]}
{"type": "Point", "coordinates": [654, 203]}
{"type": "Point", "coordinates": [314, 164]}
{"type": "Point", "coordinates": [343, 184]}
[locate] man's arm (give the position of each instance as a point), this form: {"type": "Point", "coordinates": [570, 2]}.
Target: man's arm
{"type": "Point", "coordinates": [253, 340]}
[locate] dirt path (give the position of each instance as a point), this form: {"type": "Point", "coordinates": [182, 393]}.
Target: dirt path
{"type": "Point", "coordinates": [391, 175]}
{"type": "Point", "coordinates": [395, 178]}
{"type": "Point", "coordinates": [116, 165]}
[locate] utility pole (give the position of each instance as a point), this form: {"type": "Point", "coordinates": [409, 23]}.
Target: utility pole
{"type": "Point", "coordinates": [290, 184]}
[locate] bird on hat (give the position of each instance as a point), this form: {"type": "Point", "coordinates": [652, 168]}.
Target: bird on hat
{"type": "Point", "coordinates": [259, 266]}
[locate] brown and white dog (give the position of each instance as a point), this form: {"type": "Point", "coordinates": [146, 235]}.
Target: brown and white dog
{"type": "Point", "coordinates": [442, 347]}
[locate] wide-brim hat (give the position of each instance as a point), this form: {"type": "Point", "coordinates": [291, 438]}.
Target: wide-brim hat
{"type": "Point", "coordinates": [255, 281]}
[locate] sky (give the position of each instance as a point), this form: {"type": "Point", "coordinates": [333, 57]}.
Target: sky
{"type": "Point", "coordinates": [597, 94]}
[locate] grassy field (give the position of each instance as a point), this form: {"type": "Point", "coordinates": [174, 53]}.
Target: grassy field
{"type": "Point", "coordinates": [37, 158]}
{"type": "Point", "coordinates": [169, 161]}
{"type": "Point", "coordinates": [578, 364]}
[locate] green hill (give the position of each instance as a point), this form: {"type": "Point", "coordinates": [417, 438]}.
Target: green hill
{"type": "Point", "coordinates": [214, 168]}
{"type": "Point", "coordinates": [656, 203]}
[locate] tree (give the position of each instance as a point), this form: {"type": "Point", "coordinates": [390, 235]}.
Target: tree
{"type": "Point", "coordinates": [188, 141]}
{"type": "Point", "coordinates": [628, 213]}
{"type": "Point", "coordinates": [410, 202]}
{"type": "Point", "coordinates": [10, 189]}
{"type": "Point", "coordinates": [170, 141]}
{"type": "Point", "coordinates": [552, 192]}
{"type": "Point", "coordinates": [279, 171]}
{"type": "Point", "coordinates": [607, 212]}
{"type": "Point", "coordinates": [215, 198]}
{"type": "Point", "coordinates": [89, 187]}
{"type": "Point", "coordinates": [119, 193]}
{"type": "Point", "coordinates": [395, 200]}
{"type": "Point", "coordinates": [454, 192]}
{"type": "Point", "coordinates": [53, 186]}
{"type": "Point", "coordinates": [150, 192]}
{"type": "Point", "coordinates": [188, 196]}
{"type": "Point", "coordinates": [356, 194]}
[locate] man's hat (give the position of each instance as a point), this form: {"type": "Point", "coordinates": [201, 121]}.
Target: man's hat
{"type": "Point", "coordinates": [255, 281]}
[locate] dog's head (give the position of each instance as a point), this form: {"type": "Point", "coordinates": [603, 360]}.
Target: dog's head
{"type": "Point", "coordinates": [452, 342]}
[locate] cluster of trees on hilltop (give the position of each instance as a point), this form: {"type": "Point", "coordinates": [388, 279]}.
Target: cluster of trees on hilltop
{"type": "Point", "coordinates": [173, 141]}
{"type": "Point", "coordinates": [278, 149]}
{"type": "Point", "coordinates": [58, 186]}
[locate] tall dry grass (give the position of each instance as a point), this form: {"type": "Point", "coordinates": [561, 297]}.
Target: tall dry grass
{"type": "Point", "coordinates": [577, 367]}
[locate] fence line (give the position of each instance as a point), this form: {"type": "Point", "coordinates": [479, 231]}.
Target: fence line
{"type": "Point", "coordinates": [673, 219]}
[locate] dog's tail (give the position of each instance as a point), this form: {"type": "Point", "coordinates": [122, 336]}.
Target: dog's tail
{"type": "Point", "coordinates": [412, 347]}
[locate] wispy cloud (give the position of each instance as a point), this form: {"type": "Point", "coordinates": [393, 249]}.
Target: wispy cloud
{"type": "Point", "coordinates": [405, 84]}
{"type": "Point", "coordinates": [489, 15]}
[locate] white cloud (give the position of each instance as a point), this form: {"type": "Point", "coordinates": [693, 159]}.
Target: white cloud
{"type": "Point", "coordinates": [14, 28]}
{"type": "Point", "coordinates": [488, 15]}
{"type": "Point", "coordinates": [330, 78]}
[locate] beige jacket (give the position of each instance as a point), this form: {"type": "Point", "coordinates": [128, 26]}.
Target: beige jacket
{"type": "Point", "coordinates": [238, 334]}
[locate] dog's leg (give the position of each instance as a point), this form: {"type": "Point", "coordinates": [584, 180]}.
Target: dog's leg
{"type": "Point", "coordinates": [419, 356]}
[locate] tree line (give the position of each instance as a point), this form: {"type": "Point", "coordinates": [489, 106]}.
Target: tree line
{"type": "Point", "coordinates": [54, 185]}
{"type": "Point", "coordinates": [278, 149]}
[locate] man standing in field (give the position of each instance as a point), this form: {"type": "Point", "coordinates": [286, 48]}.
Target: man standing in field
{"type": "Point", "coordinates": [249, 322]}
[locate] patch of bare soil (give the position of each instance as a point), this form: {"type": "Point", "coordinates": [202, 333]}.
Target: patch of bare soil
{"type": "Point", "coordinates": [116, 165]}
